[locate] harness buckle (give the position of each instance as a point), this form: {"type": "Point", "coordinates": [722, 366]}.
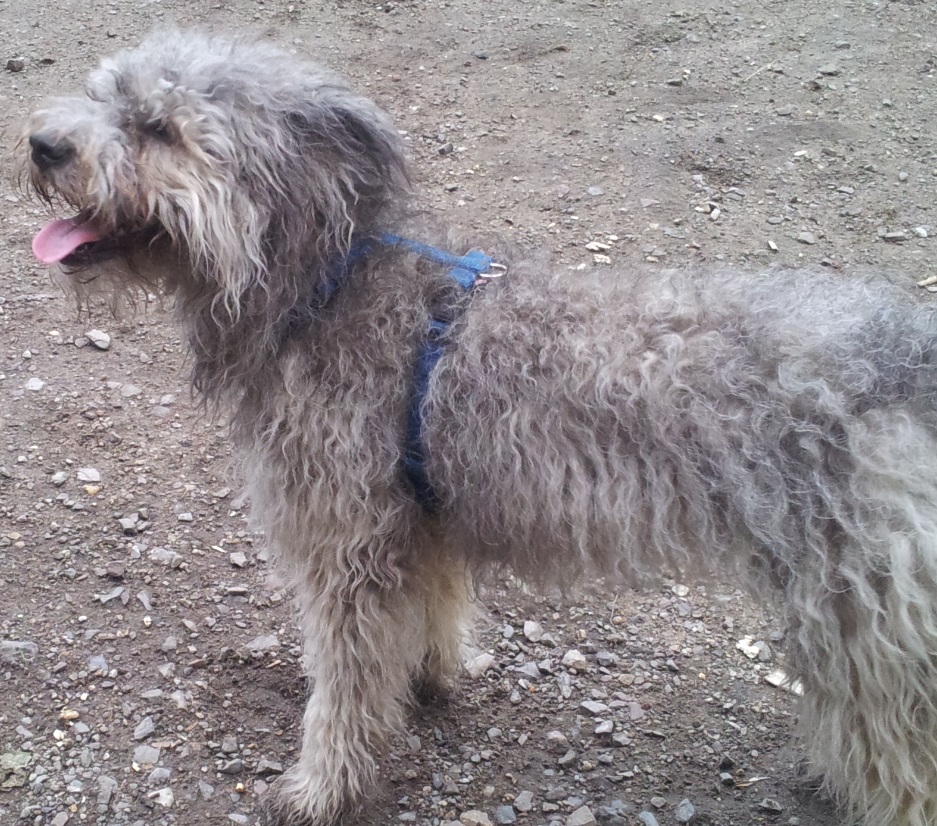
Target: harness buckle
{"type": "Point", "coordinates": [494, 271]}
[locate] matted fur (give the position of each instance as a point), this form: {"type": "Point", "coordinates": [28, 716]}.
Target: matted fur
{"type": "Point", "coordinates": [619, 423]}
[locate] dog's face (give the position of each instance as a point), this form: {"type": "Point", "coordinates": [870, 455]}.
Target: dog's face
{"type": "Point", "coordinates": [210, 152]}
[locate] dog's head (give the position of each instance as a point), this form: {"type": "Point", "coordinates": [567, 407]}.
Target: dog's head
{"type": "Point", "coordinates": [210, 165]}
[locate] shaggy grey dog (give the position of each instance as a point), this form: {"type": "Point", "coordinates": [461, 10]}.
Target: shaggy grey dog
{"type": "Point", "coordinates": [620, 425]}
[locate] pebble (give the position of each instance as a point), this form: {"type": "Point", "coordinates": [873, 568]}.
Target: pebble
{"type": "Point", "coordinates": [807, 238]}
{"type": "Point", "coordinates": [505, 815]}
{"type": "Point", "coordinates": [144, 729]}
{"type": "Point", "coordinates": [574, 659]}
{"type": "Point", "coordinates": [533, 631]}
{"type": "Point", "coordinates": [479, 665]}
{"type": "Point", "coordinates": [237, 559]}
{"type": "Point", "coordinates": [524, 802]}
{"type": "Point", "coordinates": [595, 191]}
{"type": "Point", "coordinates": [99, 339]}
{"type": "Point", "coordinates": [264, 643]}
{"type": "Point", "coordinates": [593, 708]}
{"type": "Point", "coordinates": [473, 817]}
{"type": "Point", "coordinates": [770, 805]}
{"type": "Point", "coordinates": [146, 756]}
{"type": "Point", "coordinates": [35, 384]}
{"type": "Point", "coordinates": [685, 811]}
{"type": "Point", "coordinates": [648, 819]}
{"type": "Point", "coordinates": [582, 817]}
{"type": "Point", "coordinates": [164, 797]}
{"type": "Point", "coordinates": [89, 474]}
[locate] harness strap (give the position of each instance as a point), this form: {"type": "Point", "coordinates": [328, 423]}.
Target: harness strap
{"type": "Point", "coordinates": [466, 270]}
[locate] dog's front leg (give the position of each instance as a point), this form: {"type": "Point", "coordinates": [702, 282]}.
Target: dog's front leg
{"type": "Point", "coordinates": [364, 642]}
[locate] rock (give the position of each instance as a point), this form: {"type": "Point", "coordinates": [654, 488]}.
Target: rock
{"type": "Point", "coordinates": [582, 817]}
{"type": "Point", "coordinates": [574, 659]}
{"type": "Point", "coordinates": [595, 191]}
{"type": "Point", "coordinates": [473, 817]}
{"type": "Point", "coordinates": [505, 815]}
{"type": "Point", "coordinates": [648, 819]}
{"type": "Point", "coordinates": [524, 802]}
{"type": "Point", "coordinates": [770, 805]}
{"type": "Point", "coordinates": [17, 64]}
{"type": "Point", "coordinates": [593, 708]}
{"type": "Point", "coordinates": [146, 755]}
{"type": "Point", "coordinates": [60, 819]}
{"type": "Point", "coordinates": [164, 797]}
{"type": "Point", "coordinates": [479, 665]}
{"type": "Point", "coordinates": [59, 478]}
{"type": "Point", "coordinates": [265, 766]}
{"type": "Point", "coordinates": [533, 631]}
{"type": "Point", "coordinates": [237, 559]}
{"type": "Point", "coordinates": [685, 811]}
{"type": "Point", "coordinates": [264, 643]}
{"type": "Point", "coordinates": [807, 238]}
{"type": "Point", "coordinates": [144, 729]}
{"type": "Point", "coordinates": [99, 339]}
{"type": "Point", "coordinates": [206, 790]}
{"type": "Point", "coordinates": [35, 384]}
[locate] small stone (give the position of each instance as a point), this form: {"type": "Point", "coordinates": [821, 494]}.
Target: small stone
{"type": "Point", "coordinates": [593, 708]}
{"type": "Point", "coordinates": [685, 811]}
{"type": "Point", "coordinates": [99, 339]}
{"type": "Point", "coordinates": [144, 729]}
{"type": "Point", "coordinates": [473, 817]}
{"type": "Point", "coordinates": [595, 191]}
{"type": "Point", "coordinates": [770, 805]}
{"type": "Point", "coordinates": [265, 766]}
{"type": "Point", "coordinates": [59, 478]}
{"type": "Point", "coordinates": [146, 756]}
{"type": "Point", "coordinates": [505, 815]}
{"type": "Point", "coordinates": [533, 631]}
{"type": "Point", "coordinates": [158, 776]}
{"type": "Point", "coordinates": [524, 802]}
{"type": "Point", "coordinates": [895, 237]}
{"type": "Point", "coordinates": [574, 659]}
{"type": "Point", "coordinates": [88, 474]}
{"type": "Point", "coordinates": [164, 797]}
{"type": "Point", "coordinates": [206, 790]}
{"type": "Point", "coordinates": [648, 819]}
{"type": "Point", "coordinates": [807, 238]}
{"type": "Point", "coordinates": [582, 817]}
{"type": "Point", "coordinates": [264, 643]}
{"type": "Point", "coordinates": [17, 64]}
{"type": "Point", "coordinates": [235, 766]}
{"type": "Point", "coordinates": [60, 819]}
{"type": "Point", "coordinates": [35, 384]}
{"type": "Point", "coordinates": [237, 559]}
{"type": "Point", "coordinates": [727, 779]}
{"type": "Point", "coordinates": [479, 665]}
{"type": "Point", "coordinates": [829, 69]}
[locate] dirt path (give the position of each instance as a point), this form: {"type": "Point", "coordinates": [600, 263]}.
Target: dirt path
{"type": "Point", "coordinates": [159, 681]}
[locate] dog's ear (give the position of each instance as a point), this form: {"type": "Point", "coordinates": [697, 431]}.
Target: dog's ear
{"type": "Point", "coordinates": [349, 144]}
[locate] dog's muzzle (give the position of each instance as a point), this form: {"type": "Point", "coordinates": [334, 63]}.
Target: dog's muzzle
{"type": "Point", "coordinates": [48, 151]}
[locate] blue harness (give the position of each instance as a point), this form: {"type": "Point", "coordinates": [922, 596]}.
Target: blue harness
{"type": "Point", "coordinates": [468, 271]}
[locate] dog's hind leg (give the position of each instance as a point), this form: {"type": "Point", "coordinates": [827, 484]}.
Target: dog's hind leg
{"type": "Point", "coordinates": [448, 625]}
{"type": "Point", "coordinates": [863, 637]}
{"type": "Point", "coordinates": [365, 643]}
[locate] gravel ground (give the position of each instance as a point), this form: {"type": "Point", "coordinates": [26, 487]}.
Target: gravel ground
{"type": "Point", "coordinates": [148, 658]}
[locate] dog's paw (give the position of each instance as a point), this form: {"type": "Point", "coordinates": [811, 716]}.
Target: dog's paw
{"type": "Point", "coordinates": [286, 804]}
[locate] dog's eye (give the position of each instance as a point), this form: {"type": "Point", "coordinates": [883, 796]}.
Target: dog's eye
{"type": "Point", "coordinates": [158, 128]}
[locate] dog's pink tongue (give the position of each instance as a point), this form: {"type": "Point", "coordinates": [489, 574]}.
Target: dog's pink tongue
{"type": "Point", "coordinates": [60, 238]}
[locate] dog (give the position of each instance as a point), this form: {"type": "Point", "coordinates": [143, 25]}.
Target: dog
{"type": "Point", "coordinates": [410, 421]}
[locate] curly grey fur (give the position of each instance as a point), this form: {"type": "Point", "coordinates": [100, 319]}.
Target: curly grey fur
{"type": "Point", "coordinates": [779, 423]}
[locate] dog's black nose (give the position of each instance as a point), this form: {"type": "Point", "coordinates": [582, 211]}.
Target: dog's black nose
{"type": "Point", "coordinates": [48, 151]}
